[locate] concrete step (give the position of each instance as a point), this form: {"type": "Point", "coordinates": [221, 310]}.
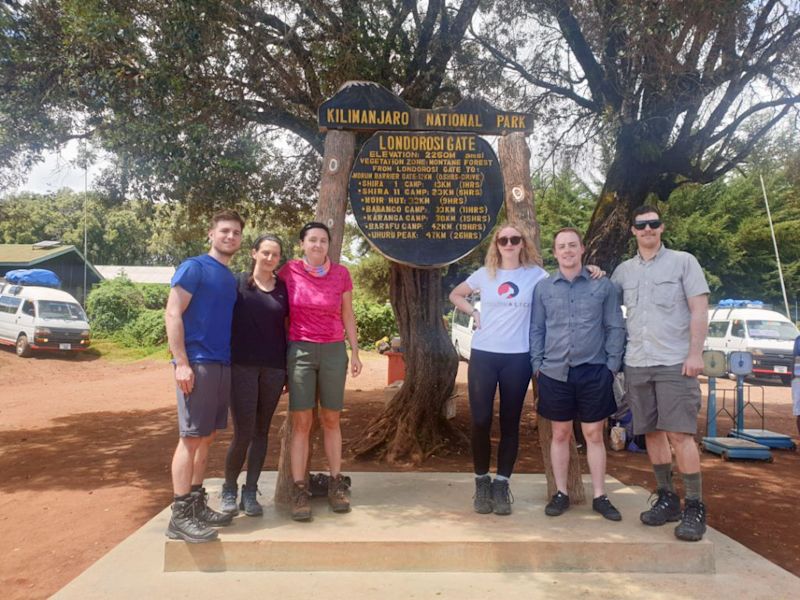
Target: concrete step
{"type": "Point", "coordinates": [424, 522]}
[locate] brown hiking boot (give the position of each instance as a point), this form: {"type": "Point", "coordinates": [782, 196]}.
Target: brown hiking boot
{"type": "Point", "coordinates": [301, 508]}
{"type": "Point", "coordinates": [339, 494]}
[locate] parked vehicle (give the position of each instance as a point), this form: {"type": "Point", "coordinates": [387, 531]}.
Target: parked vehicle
{"type": "Point", "coordinates": [42, 318]}
{"type": "Point", "coordinates": [461, 330]}
{"type": "Point", "coordinates": [745, 325]}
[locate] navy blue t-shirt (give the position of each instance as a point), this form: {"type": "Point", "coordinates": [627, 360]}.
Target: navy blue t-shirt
{"type": "Point", "coordinates": [207, 319]}
{"type": "Point", "coordinates": [258, 336]}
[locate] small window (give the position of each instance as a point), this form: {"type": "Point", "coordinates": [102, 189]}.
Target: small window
{"type": "Point", "coordinates": [737, 329]}
{"type": "Point", "coordinates": [9, 304]}
{"type": "Point", "coordinates": [717, 329]}
{"type": "Point", "coordinates": [28, 308]}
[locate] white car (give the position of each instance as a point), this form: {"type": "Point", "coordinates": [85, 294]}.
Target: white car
{"type": "Point", "coordinates": [462, 328]}
{"type": "Point", "coordinates": [42, 318]}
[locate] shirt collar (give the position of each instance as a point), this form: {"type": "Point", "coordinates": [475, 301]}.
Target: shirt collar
{"type": "Point", "coordinates": [558, 276]}
{"type": "Point", "coordinates": [658, 255]}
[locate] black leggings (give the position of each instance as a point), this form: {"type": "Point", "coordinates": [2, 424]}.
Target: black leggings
{"type": "Point", "coordinates": [513, 373]}
{"type": "Point", "coordinates": [255, 392]}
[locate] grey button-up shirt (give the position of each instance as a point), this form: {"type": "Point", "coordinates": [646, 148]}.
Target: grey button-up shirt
{"type": "Point", "coordinates": [655, 295]}
{"type": "Point", "coordinates": [574, 323]}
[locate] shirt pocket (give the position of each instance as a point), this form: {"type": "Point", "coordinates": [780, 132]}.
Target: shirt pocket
{"type": "Point", "coordinates": [630, 295]}
{"type": "Point", "coordinates": [666, 291]}
{"type": "Point", "coordinates": [590, 307]}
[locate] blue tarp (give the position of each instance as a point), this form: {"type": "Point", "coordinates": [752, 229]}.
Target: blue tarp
{"type": "Point", "coordinates": [41, 277]}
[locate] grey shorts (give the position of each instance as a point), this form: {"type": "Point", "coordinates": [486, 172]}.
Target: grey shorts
{"type": "Point", "coordinates": [205, 409]}
{"type": "Point", "coordinates": [796, 396]}
{"type": "Point", "coordinates": [316, 367]}
{"type": "Point", "coordinates": [662, 399]}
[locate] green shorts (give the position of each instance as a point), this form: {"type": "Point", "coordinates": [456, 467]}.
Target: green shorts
{"type": "Point", "coordinates": [314, 367]}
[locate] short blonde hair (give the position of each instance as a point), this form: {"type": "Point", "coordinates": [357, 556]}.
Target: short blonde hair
{"type": "Point", "coordinates": [528, 256]}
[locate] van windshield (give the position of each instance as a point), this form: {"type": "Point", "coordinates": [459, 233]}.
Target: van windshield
{"type": "Point", "coordinates": [53, 309]}
{"type": "Point", "coordinates": [772, 330]}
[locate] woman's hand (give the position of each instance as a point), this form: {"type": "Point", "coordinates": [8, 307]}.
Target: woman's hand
{"type": "Point", "coordinates": [476, 318]}
{"type": "Point", "coordinates": [595, 272]}
{"type": "Point", "coordinates": [355, 365]}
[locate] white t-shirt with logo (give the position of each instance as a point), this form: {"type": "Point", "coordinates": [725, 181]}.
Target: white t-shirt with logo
{"type": "Point", "coordinates": [505, 309]}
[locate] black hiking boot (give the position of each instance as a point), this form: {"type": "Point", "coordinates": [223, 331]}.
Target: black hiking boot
{"type": "Point", "coordinates": [502, 499]}
{"type": "Point", "coordinates": [666, 507]}
{"type": "Point", "coordinates": [603, 505]}
{"type": "Point", "coordinates": [482, 500]}
{"type": "Point", "coordinates": [250, 504]}
{"type": "Point", "coordinates": [693, 522]}
{"type": "Point", "coordinates": [207, 514]}
{"type": "Point", "coordinates": [184, 524]}
{"type": "Point", "coordinates": [557, 505]}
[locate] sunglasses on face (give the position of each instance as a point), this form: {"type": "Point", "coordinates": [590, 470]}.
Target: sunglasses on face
{"type": "Point", "coordinates": [513, 240]}
{"type": "Point", "coordinates": [641, 225]}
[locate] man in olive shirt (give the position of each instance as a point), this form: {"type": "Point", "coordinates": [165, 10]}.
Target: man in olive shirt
{"type": "Point", "coordinates": [666, 297]}
{"type": "Point", "coordinates": [577, 338]}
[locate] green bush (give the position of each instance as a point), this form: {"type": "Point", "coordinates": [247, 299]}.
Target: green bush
{"type": "Point", "coordinates": [374, 321]}
{"type": "Point", "coordinates": [155, 294]}
{"type": "Point", "coordinates": [112, 304]}
{"type": "Point", "coordinates": [146, 330]}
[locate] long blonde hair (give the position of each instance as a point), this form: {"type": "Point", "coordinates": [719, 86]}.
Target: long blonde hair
{"type": "Point", "coordinates": [528, 255]}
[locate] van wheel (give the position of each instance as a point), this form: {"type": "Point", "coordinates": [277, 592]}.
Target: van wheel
{"type": "Point", "coordinates": [23, 347]}
{"type": "Point", "coordinates": [786, 379]}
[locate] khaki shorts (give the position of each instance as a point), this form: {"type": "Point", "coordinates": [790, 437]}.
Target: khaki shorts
{"type": "Point", "coordinates": [662, 399]}
{"type": "Point", "coordinates": [315, 367]}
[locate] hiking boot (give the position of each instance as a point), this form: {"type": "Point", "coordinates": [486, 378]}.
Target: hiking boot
{"type": "Point", "coordinates": [227, 499]}
{"type": "Point", "coordinates": [603, 505]}
{"type": "Point", "coordinates": [301, 508]}
{"type": "Point", "coordinates": [482, 500]}
{"type": "Point", "coordinates": [665, 507]}
{"type": "Point", "coordinates": [557, 505]}
{"type": "Point", "coordinates": [184, 524]}
{"type": "Point", "coordinates": [208, 515]}
{"type": "Point", "coordinates": [339, 494]}
{"type": "Point", "coordinates": [693, 522]}
{"type": "Point", "coordinates": [249, 503]}
{"type": "Point", "coordinates": [501, 497]}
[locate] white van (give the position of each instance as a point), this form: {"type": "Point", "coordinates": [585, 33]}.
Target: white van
{"type": "Point", "coordinates": [745, 326]}
{"type": "Point", "coordinates": [42, 318]}
{"type": "Point", "coordinates": [461, 330]}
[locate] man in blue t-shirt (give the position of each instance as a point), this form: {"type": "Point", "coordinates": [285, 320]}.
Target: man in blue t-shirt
{"type": "Point", "coordinates": [198, 317]}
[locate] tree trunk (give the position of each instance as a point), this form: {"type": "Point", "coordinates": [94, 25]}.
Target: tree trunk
{"type": "Point", "coordinates": [515, 162]}
{"type": "Point", "coordinates": [412, 426]}
{"type": "Point", "coordinates": [336, 164]}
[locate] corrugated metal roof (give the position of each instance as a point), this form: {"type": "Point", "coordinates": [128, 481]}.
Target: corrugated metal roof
{"type": "Point", "coordinates": [137, 274]}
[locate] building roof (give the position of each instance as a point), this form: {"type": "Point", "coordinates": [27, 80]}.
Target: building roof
{"type": "Point", "coordinates": [29, 255]}
{"type": "Point", "coordinates": [138, 274]}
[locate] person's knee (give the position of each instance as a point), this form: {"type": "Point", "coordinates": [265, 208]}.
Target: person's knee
{"type": "Point", "coordinates": [329, 419]}
{"type": "Point", "coordinates": [302, 421]}
{"type": "Point", "coordinates": [562, 431]}
{"type": "Point", "coordinates": [679, 440]}
{"type": "Point", "coordinates": [593, 432]}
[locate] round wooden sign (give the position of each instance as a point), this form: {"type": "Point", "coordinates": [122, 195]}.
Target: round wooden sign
{"type": "Point", "coordinates": [426, 198]}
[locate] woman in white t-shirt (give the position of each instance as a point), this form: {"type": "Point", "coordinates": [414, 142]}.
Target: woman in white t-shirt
{"type": "Point", "coordinates": [499, 355]}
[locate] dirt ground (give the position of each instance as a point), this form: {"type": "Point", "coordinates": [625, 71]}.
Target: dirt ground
{"type": "Point", "coordinates": [85, 448]}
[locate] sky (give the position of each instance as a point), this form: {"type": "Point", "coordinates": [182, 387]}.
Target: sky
{"type": "Point", "coordinates": [58, 171]}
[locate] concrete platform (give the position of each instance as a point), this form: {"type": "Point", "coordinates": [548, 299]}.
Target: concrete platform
{"type": "Point", "coordinates": [425, 523]}
{"type": "Point", "coordinates": [383, 518]}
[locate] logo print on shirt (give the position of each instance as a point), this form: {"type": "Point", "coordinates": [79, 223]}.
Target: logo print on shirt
{"type": "Point", "coordinates": [508, 289]}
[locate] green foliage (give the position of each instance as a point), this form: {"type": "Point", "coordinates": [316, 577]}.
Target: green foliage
{"type": "Point", "coordinates": [112, 304]}
{"type": "Point", "coordinates": [375, 321]}
{"type": "Point", "coordinates": [371, 277]}
{"type": "Point", "coordinates": [147, 329]}
{"type": "Point", "coordinates": [154, 294]}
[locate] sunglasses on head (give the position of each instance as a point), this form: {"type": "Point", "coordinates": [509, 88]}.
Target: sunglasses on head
{"type": "Point", "coordinates": [513, 240]}
{"type": "Point", "coordinates": [640, 225]}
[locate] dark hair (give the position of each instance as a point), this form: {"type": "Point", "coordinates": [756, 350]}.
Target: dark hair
{"type": "Point", "coordinates": [267, 237]}
{"type": "Point", "coordinates": [314, 225]}
{"type": "Point", "coordinates": [226, 215]}
{"type": "Point", "coordinates": [565, 230]}
{"type": "Point", "coordinates": [643, 210]}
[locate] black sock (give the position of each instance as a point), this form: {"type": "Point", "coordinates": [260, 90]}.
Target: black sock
{"type": "Point", "coordinates": [181, 498]}
{"type": "Point", "coordinates": [197, 487]}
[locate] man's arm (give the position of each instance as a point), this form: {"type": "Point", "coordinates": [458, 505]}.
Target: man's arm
{"type": "Point", "coordinates": [614, 326]}
{"type": "Point", "coordinates": [177, 302]}
{"type": "Point", "coordinates": [537, 329]}
{"type": "Point", "coordinates": [698, 328]}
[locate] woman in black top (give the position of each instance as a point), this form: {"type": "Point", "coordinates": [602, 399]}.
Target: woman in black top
{"type": "Point", "coordinates": [258, 370]}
